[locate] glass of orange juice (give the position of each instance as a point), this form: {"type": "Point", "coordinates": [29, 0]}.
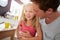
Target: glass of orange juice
{"type": "Point", "coordinates": [15, 17]}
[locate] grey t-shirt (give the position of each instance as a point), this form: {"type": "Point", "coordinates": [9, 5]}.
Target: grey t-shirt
{"type": "Point", "coordinates": [51, 31]}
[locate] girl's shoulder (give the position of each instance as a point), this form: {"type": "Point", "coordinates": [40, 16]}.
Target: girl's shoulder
{"type": "Point", "coordinates": [21, 23]}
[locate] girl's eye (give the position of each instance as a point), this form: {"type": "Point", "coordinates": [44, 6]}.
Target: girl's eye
{"type": "Point", "coordinates": [25, 11]}
{"type": "Point", "coordinates": [30, 11]}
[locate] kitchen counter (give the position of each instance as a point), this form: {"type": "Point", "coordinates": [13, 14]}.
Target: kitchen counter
{"type": "Point", "coordinates": [4, 33]}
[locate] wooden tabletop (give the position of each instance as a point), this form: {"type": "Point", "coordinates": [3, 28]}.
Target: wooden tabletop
{"type": "Point", "coordinates": [7, 33]}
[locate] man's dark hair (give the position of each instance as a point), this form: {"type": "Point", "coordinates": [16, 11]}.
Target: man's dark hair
{"type": "Point", "coordinates": [46, 4]}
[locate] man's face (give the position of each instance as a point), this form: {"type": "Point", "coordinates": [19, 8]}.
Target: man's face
{"type": "Point", "coordinates": [41, 13]}
{"type": "Point", "coordinates": [44, 14]}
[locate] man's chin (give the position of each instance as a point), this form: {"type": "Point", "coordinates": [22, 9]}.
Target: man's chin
{"type": "Point", "coordinates": [41, 17]}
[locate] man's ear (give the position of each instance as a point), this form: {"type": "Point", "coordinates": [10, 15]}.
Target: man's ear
{"type": "Point", "coordinates": [49, 11]}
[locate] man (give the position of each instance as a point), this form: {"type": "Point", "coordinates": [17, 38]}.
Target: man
{"type": "Point", "coordinates": [50, 19]}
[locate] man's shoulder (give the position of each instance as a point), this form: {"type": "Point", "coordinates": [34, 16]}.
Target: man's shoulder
{"type": "Point", "coordinates": [42, 21]}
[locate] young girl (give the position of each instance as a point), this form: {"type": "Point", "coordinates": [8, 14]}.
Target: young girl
{"type": "Point", "coordinates": [29, 22]}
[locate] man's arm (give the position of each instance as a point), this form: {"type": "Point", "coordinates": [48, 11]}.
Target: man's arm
{"type": "Point", "coordinates": [33, 38]}
{"type": "Point", "coordinates": [38, 37]}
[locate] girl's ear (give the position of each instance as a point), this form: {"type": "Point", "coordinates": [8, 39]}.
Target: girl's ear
{"type": "Point", "coordinates": [49, 11]}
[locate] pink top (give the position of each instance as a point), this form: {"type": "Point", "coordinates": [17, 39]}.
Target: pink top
{"type": "Point", "coordinates": [31, 29]}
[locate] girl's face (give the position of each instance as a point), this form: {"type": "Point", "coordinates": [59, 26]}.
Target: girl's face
{"type": "Point", "coordinates": [29, 12]}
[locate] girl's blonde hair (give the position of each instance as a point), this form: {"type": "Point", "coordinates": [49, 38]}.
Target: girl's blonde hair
{"type": "Point", "coordinates": [35, 20]}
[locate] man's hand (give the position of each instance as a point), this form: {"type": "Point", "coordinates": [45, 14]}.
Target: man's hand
{"type": "Point", "coordinates": [26, 34]}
